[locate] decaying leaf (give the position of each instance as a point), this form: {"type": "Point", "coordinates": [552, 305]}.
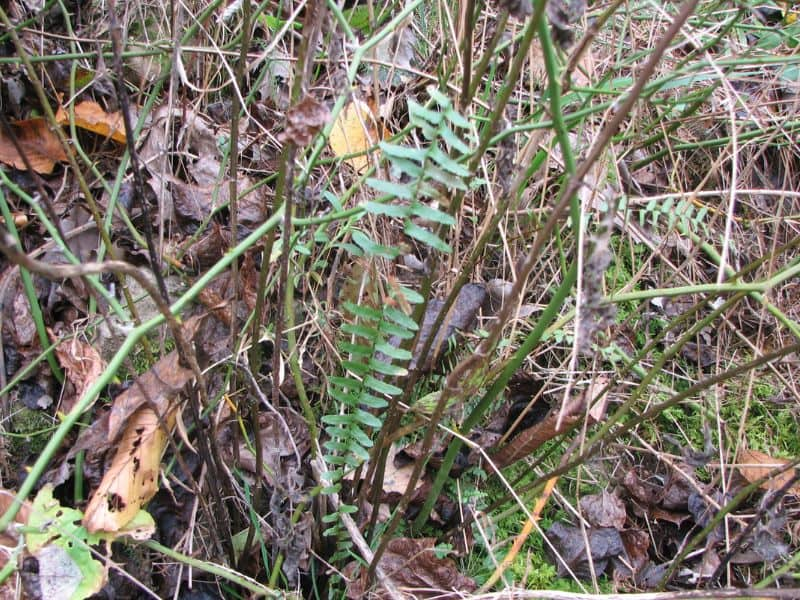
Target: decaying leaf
{"type": "Point", "coordinates": [89, 115]}
{"type": "Point", "coordinates": [36, 141]}
{"type": "Point", "coordinates": [284, 437]}
{"type": "Point", "coordinates": [304, 120]}
{"type": "Point", "coordinates": [413, 565]}
{"type": "Point", "coordinates": [132, 479]}
{"type": "Point", "coordinates": [603, 510]}
{"type": "Point", "coordinates": [604, 545]}
{"type": "Point", "coordinates": [139, 424]}
{"type": "Point", "coordinates": [754, 465]}
{"type": "Point", "coordinates": [83, 365]}
{"type": "Point", "coordinates": [461, 317]}
{"type": "Point", "coordinates": [155, 389]}
{"type": "Point", "coordinates": [9, 539]}
{"type": "Point", "coordinates": [394, 55]}
{"type": "Point", "coordinates": [356, 130]}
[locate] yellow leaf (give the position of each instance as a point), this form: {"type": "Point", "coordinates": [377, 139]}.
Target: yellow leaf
{"type": "Point", "coordinates": [355, 131]}
{"type": "Point", "coordinates": [132, 479]}
{"type": "Point", "coordinates": [90, 115]}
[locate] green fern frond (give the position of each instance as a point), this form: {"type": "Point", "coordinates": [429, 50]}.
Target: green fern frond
{"type": "Point", "coordinates": [427, 172]}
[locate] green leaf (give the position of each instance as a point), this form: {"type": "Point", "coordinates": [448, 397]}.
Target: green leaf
{"type": "Point", "coordinates": [393, 352]}
{"type": "Point", "coordinates": [426, 237]}
{"type": "Point", "coordinates": [337, 419]}
{"type": "Point", "coordinates": [419, 115]}
{"type": "Point", "coordinates": [438, 96]}
{"type": "Point", "coordinates": [372, 248]}
{"type": "Point", "coordinates": [371, 401]}
{"type": "Point", "coordinates": [445, 178]}
{"type": "Point", "coordinates": [368, 419]}
{"type": "Point", "coordinates": [392, 329]}
{"type": "Point", "coordinates": [382, 387]}
{"type": "Point", "coordinates": [360, 330]}
{"type": "Point", "coordinates": [355, 349]}
{"type": "Point", "coordinates": [346, 398]}
{"type": "Point", "coordinates": [407, 167]}
{"type": "Point", "coordinates": [401, 318]}
{"type": "Point", "coordinates": [365, 312]}
{"type": "Point", "coordinates": [399, 151]}
{"type": "Point", "coordinates": [389, 210]}
{"type": "Point", "coordinates": [386, 368]}
{"type": "Point", "coordinates": [411, 296]}
{"type": "Point", "coordinates": [432, 214]}
{"type": "Point", "coordinates": [448, 163]}
{"type": "Point", "coordinates": [392, 189]}
{"type": "Point", "coordinates": [454, 141]}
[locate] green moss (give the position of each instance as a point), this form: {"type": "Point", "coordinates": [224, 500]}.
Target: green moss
{"type": "Point", "coordinates": [28, 432]}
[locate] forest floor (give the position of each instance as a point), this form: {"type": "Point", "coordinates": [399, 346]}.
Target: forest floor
{"type": "Point", "coordinates": [407, 299]}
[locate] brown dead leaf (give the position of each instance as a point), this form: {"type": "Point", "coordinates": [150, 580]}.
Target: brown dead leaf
{"type": "Point", "coordinates": [89, 115]}
{"type": "Point", "coordinates": [604, 510]}
{"type": "Point", "coordinates": [461, 317]}
{"type": "Point", "coordinates": [636, 544]}
{"type": "Point", "coordinates": [355, 131]}
{"type": "Point", "coordinates": [304, 120]}
{"type": "Point", "coordinates": [284, 436]}
{"type": "Point", "coordinates": [754, 465]}
{"type": "Point", "coordinates": [36, 141]}
{"type": "Point", "coordinates": [157, 389]}
{"type": "Point", "coordinates": [412, 564]}
{"type": "Point", "coordinates": [132, 479]}
{"type": "Point", "coordinates": [604, 544]}
{"type": "Point", "coordinates": [139, 424]}
{"type": "Point", "coordinates": [83, 366]}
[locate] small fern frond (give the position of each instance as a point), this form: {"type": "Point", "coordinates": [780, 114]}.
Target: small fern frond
{"type": "Point", "coordinates": [428, 173]}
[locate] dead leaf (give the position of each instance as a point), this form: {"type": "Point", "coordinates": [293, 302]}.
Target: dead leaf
{"type": "Point", "coordinates": [36, 141]}
{"type": "Point", "coordinates": [395, 56]}
{"type": "Point", "coordinates": [157, 389]}
{"type": "Point", "coordinates": [461, 317]}
{"type": "Point", "coordinates": [753, 465]}
{"type": "Point", "coordinates": [284, 436]}
{"type": "Point", "coordinates": [304, 120]}
{"type": "Point", "coordinates": [604, 510]}
{"type": "Point", "coordinates": [89, 115]}
{"type": "Point", "coordinates": [604, 544]}
{"type": "Point", "coordinates": [139, 424]}
{"type": "Point", "coordinates": [636, 543]}
{"type": "Point", "coordinates": [355, 131]}
{"type": "Point", "coordinates": [412, 564]}
{"type": "Point", "coordinates": [132, 479]}
{"type": "Point", "coordinates": [83, 365]}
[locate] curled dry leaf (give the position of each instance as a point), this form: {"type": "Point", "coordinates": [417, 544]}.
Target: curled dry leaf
{"type": "Point", "coordinates": [304, 120]}
{"type": "Point", "coordinates": [355, 131]}
{"type": "Point", "coordinates": [157, 388]}
{"type": "Point", "coordinates": [604, 544]}
{"type": "Point", "coordinates": [83, 365]}
{"type": "Point", "coordinates": [36, 141]}
{"type": "Point", "coordinates": [754, 465]}
{"type": "Point", "coordinates": [132, 479]}
{"type": "Point", "coordinates": [145, 415]}
{"type": "Point", "coordinates": [89, 115]}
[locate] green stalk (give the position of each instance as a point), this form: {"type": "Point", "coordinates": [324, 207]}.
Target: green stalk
{"type": "Point", "coordinates": [218, 570]}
